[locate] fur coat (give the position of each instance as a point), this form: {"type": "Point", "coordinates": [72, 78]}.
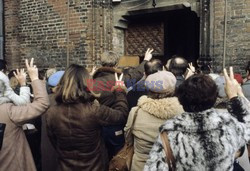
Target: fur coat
{"type": "Point", "coordinates": [151, 114]}
{"type": "Point", "coordinates": [206, 140]}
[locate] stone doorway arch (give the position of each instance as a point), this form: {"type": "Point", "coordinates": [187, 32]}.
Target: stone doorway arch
{"type": "Point", "coordinates": [124, 11]}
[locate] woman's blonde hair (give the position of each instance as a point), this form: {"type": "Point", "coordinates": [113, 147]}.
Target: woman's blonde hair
{"type": "Point", "coordinates": [73, 87]}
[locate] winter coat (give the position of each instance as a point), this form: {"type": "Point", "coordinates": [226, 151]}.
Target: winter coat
{"type": "Point", "coordinates": [246, 89]}
{"type": "Point", "coordinates": [15, 154]}
{"type": "Point", "coordinates": [151, 114]}
{"type": "Point", "coordinates": [206, 140]}
{"type": "Point", "coordinates": [104, 80]}
{"type": "Point", "coordinates": [180, 80]}
{"type": "Point", "coordinates": [75, 132]}
{"type": "Point", "coordinates": [7, 94]}
{"type": "Point", "coordinates": [48, 153]}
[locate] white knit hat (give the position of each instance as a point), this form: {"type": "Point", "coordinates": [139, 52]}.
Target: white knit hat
{"type": "Point", "coordinates": [161, 82]}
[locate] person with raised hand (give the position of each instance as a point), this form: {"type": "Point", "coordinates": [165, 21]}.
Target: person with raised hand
{"type": "Point", "coordinates": [15, 154]}
{"type": "Point", "coordinates": [203, 138]}
{"type": "Point", "coordinates": [8, 94]}
{"type": "Point", "coordinates": [232, 87]}
{"type": "Point", "coordinates": [75, 120]}
{"type": "Point", "coordinates": [104, 80]}
{"type": "Point", "coordinates": [190, 70]}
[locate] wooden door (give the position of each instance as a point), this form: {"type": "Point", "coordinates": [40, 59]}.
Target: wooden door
{"type": "Point", "coordinates": [140, 36]}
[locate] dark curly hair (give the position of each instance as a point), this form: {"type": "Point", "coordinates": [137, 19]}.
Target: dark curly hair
{"type": "Point", "coordinates": [197, 93]}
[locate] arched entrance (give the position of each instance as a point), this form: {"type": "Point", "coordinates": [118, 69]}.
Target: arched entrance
{"type": "Point", "coordinates": [173, 32]}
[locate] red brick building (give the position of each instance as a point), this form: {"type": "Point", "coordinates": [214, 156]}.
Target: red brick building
{"type": "Point", "coordinates": [60, 32]}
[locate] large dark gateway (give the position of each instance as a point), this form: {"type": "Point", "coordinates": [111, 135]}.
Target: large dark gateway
{"type": "Point", "coordinates": [174, 32]}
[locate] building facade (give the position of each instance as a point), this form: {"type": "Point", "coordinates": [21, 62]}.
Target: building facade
{"type": "Point", "coordinates": [60, 32]}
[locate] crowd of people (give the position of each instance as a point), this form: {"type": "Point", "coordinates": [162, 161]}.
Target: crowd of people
{"type": "Point", "coordinates": [176, 116]}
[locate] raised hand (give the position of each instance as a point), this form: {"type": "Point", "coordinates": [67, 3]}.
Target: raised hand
{"type": "Point", "coordinates": [190, 71]}
{"type": "Point", "coordinates": [32, 69]}
{"type": "Point", "coordinates": [191, 67]}
{"type": "Point", "coordinates": [118, 81]}
{"type": "Point", "coordinates": [21, 76]}
{"type": "Point", "coordinates": [93, 70]}
{"type": "Point", "coordinates": [148, 55]}
{"type": "Point", "coordinates": [232, 87]}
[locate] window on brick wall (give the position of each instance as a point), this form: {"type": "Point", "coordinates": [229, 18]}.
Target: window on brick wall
{"type": "Point", "coordinates": [1, 30]}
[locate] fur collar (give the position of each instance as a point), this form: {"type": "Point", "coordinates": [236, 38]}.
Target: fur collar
{"type": "Point", "coordinates": [200, 122]}
{"type": "Point", "coordinates": [161, 108]}
{"type": "Point", "coordinates": [102, 70]}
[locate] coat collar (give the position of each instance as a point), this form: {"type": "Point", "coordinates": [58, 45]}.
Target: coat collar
{"type": "Point", "coordinates": [105, 70]}
{"type": "Point", "coordinates": [161, 108]}
{"type": "Point", "coordinates": [200, 122]}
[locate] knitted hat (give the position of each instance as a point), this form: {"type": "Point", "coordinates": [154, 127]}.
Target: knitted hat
{"type": "Point", "coordinates": [55, 78]}
{"type": "Point", "coordinates": [161, 82]}
{"type": "Point", "coordinates": [220, 82]}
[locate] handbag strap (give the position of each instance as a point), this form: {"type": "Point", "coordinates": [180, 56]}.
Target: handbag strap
{"type": "Point", "coordinates": [135, 115]}
{"type": "Point", "coordinates": [169, 154]}
{"type": "Point", "coordinates": [132, 126]}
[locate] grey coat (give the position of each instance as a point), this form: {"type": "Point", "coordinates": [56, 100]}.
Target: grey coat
{"type": "Point", "coordinates": [206, 140]}
{"type": "Point", "coordinates": [246, 89]}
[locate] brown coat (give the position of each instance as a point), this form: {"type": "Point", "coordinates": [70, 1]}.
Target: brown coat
{"type": "Point", "coordinates": [75, 132]}
{"type": "Point", "coordinates": [105, 80]}
{"type": "Point", "coordinates": [15, 154]}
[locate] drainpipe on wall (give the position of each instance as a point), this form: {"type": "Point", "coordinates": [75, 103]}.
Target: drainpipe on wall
{"type": "Point", "coordinates": [68, 35]}
{"type": "Point", "coordinates": [225, 35]}
{"type": "Point", "coordinates": [1, 31]}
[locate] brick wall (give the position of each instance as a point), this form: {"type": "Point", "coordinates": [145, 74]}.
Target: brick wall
{"type": "Point", "coordinates": [238, 34]}
{"type": "Point", "coordinates": [12, 51]}
{"type": "Point", "coordinates": [39, 29]}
